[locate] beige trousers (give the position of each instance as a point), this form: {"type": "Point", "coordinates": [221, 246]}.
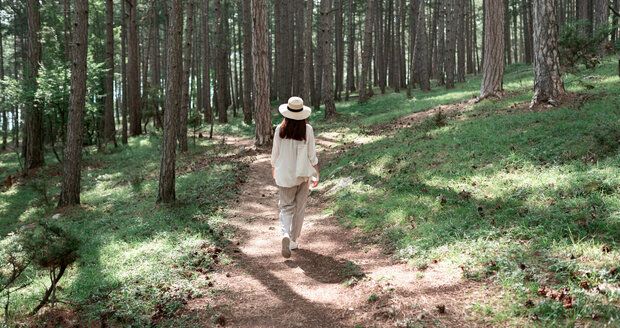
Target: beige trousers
{"type": "Point", "coordinates": [292, 204]}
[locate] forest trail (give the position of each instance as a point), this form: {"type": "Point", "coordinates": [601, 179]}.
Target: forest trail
{"type": "Point", "coordinates": [262, 289]}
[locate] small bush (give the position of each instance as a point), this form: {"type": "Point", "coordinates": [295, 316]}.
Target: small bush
{"type": "Point", "coordinates": [578, 48]}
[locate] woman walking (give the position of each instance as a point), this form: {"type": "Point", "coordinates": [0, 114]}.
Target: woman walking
{"type": "Point", "coordinates": [294, 163]}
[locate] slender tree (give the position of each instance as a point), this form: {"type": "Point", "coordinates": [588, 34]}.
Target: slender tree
{"type": "Point", "coordinates": [308, 90]}
{"type": "Point", "coordinates": [5, 123]}
{"type": "Point", "coordinates": [548, 85]}
{"type": "Point", "coordinates": [108, 122]}
{"type": "Point", "coordinates": [339, 47]}
{"type": "Point", "coordinates": [247, 61]}
{"type": "Point", "coordinates": [261, 73]}
{"type": "Point", "coordinates": [187, 64]}
{"type": "Point", "coordinates": [221, 71]}
{"type": "Point", "coordinates": [350, 48]}
{"type": "Point", "coordinates": [174, 80]}
{"type": "Point", "coordinates": [70, 189]}
{"type": "Point", "coordinates": [125, 97]}
{"type": "Point", "coordinates": [327, 26]}
{"type": "Point", "coordinates": [133, 70]}
{"type": "Point", "coordinates": [365, 89]}
{"type": "Point", "coordinates": [33, 135]}
{"type": "Point", "coordinates": [421, 49]}
{"type": "Point", "coordinates": [206, 62]}
{"type": "Point", "coordinates": [493, 62]}
{"type": "Point", "coordinates": [450, 51]}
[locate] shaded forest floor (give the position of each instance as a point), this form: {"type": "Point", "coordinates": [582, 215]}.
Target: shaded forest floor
{"type": "Point", "coordinates": [493, 213]}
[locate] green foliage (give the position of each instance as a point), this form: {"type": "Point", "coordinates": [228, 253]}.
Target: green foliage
{"type": "Point", "coordinates": [578, 48]}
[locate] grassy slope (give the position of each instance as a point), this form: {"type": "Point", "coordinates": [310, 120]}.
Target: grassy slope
{"type": "Point", "coordinates": [137, 259]}
{"type": "Point", "coordinates": [524, 189]}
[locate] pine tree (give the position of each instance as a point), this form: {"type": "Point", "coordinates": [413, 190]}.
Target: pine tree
{"type": "Point", "coordinates": [365, 89]}
{"type": "Point", "coordinates": [493, 62]}
{"type": "Point", "coordinates": [261, 73]}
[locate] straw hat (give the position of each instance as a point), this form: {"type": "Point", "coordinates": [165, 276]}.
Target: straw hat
{"type": "Point", "coordinates": [295, 109]}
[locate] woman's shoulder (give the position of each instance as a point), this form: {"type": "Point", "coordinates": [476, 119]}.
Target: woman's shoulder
{"type": "Point", "coordinates": [309, 127]}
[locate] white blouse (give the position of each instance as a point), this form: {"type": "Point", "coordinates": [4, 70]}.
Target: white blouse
{"type": "Point", "coordinates": [284, 157]}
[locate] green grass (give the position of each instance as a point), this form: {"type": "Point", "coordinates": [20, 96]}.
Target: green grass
{"type": "Point", "coordinates": [537, 190]}
{"type": "Point", "coordinates": [136, 258]}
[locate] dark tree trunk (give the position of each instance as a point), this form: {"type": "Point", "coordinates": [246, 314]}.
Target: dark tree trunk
{"type": "Point", "coordinates": [460, 15]}
{"type": "Point", "coordinates": [187, 64]}
{"type": "Point", "coordinates": [493, 62]}
{"type": "Point", "coordinates": [70, 188]}
{"type": "Point", "coordinates": [421, 49]}
{"type": "Point", "coordinates": [450, 59]}
{"type": "Point", "coordinates": [221, 66]}
{"type": "Point", "coordinates": [339, 45]}
{"type": "Point", "coordinates": [34, 113]}
{"type": "Point", "coordinates": [247, 62]}
{"type": "Point", "coordinates": [108, 122]}
{"type": "Point", "coordinates": [166, 191]}
{"type": "Point", "coordinates": [156, 65]}
{"type": "Point", "coordinates": [365, 90]}
{"type": "Point", "coordinates": [125, 97]}
{"type": "Point", "coordinates": [261, 73]}
{"type": "Point", "coordinates": [548, 85]}
{"type": "Point", "coordinates": [309, 90]}
{"type": "Point", "coordinates": [133, 71]}
{"type": "Point", "coordinates": [441, 42]}
{"type": "Point", "coordinates": [350, 49]}
{"type": "Point", "coordinates": [5, 123]}
{"type": "Point", "coordinates": [206, 62]}
{"type": "Point", "coordinates": [326, 37]}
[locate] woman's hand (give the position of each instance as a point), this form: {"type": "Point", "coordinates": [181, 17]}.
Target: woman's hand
{"type": "Point", "coordinates": [315, 182]}
{"type": "Point", "coordinates": [273, 172]}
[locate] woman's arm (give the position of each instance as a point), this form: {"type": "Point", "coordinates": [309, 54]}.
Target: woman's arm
{"type": "Point", "coordinates": [275, 150]}
{"type": "Point", "coordinates": [312, 154]}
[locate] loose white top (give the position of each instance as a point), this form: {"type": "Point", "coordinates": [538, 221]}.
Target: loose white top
{"type": "Point", "coordinates": [284, 157]}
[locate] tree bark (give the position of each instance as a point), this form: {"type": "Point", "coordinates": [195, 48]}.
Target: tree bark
{"type": "Point", "coordinates": [206, 62]}
{"type": "Point", "coordinates": [34, 113]}
{"type": "Point", "coordinates": [308, 45]}
{"type": "Point", "coordinates": [548, 85]}
{"type": "Point", "coordinates": [221, 66]}
{"type": "Point", "coordinates": [261, 73]}
{"type": "Point", "coordinates": [493, 62]}
{"type": "Point", "coordinates": [5, 123]}
{"type": "Point", "coordinates": [125, 97]}
{"type": "Point", "coordinates": [327, 31]}
{"type": "Point", "coordinates": [365, 90]}
{"type": "Point", "coordinates": [133, 71]}
{"type": "Point", "coordinates": [156, 67]}
{"type": "Point", "coordinates": [70, 188]}
{"type": "Point", "coordinates": [166, 190]}
{"type": "Point", "coordinates": [247, 62]}
{"type": "Point", "coordinates": [339, 47]}
{"type": "Point", "coordinates": [450, 59]}
{"type": "Point", "coordinates": [421, 49]}
{"type": "Point", "coordinates": [187, 64]}
{"type": "Point", "coordinates": [350, 49]}
{"type": "Point", "coordinates": [108, 122]}
{"type": "Point", "coordinates": [460, 69]}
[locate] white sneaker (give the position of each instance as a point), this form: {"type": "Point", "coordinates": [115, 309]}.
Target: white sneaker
{"type": "Point", "coordinates": [286, 247]}
{"type": "Point", "coordinates": [293, 245]}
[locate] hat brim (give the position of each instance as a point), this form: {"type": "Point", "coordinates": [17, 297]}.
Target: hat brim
{"type": "Point", "coordinates": [304, 114]}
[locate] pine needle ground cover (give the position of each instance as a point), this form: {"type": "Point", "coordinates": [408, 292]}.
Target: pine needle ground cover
{"type": "Point", "coordinates": [138, 262]}
{"type": "Point", "coordinates": [527, 200]}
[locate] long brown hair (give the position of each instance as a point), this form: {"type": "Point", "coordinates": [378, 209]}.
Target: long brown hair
{"type": "Point", "coordinates": [293, 129]}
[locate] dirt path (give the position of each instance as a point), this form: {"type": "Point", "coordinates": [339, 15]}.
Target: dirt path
{"type": "Point", "coordinates": [329, 281]}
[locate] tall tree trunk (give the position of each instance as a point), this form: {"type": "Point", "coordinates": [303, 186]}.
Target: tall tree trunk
{"type": "Point", "coordinates": [450, 58]}
{"type": "Point", "coordinates": [166, 190]}
{"type": "Point", "coordinates": [397, 46]}
{"type": "Point", "coordinates": [156, 71]}
{"type": "Point", "coordinates": [493, 62]}
{"type": "Point", "coordinates": [583, 15]}
{"type": "Point", "coordinates": [327, 31]}
{"type": "Point", "coordinates": [5, 123]}
{"type": "Point", "coordinates": [70, 189]}
{"type": "Point", "coordinates": [527, 30]}
{"type": "Point", "coordinates": [460, 69]}
{"type": "Point", "coordinates": [299, 82]}
{"type": "Point", "coordinates": [318, 70]}
{"type": "Point", "coordinates": [309, 62]}
{"type": "Point", "coordinates": [206, 62]}
{"type": "Point", "coordinates": [125, 97]}
{"type": "Point", "coordinates": [247, 62]}
{"type": "Point", "coordinates": [441, 42]}
{"type": "Point", "coordinates": [34, 113]}
{"type": "Point", "coordinates": [108, 122]}
{"type": "Point", "coordinates": [187, 64]}
{"type": "Point", "coordinates": [601, 21]}
{"type": "Point", "coordinates": [133, 71]}
{"type": "Point", "coordinates": [350, 48]}
{"type": "Point", "coordinates": [507, 38]}
{"type": "Point", "coordinates": [221, 66]}
{"type": "Point", "coordinates": [421, 49]}
{"type": "Point", "coordinates": [261, 73]}
{"type": "Point", "coordinates": [365, 90]}
{"type": "Point", "coordinates": [548, 85]}
{"type": "Point", "coordinates": [339, 47]}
